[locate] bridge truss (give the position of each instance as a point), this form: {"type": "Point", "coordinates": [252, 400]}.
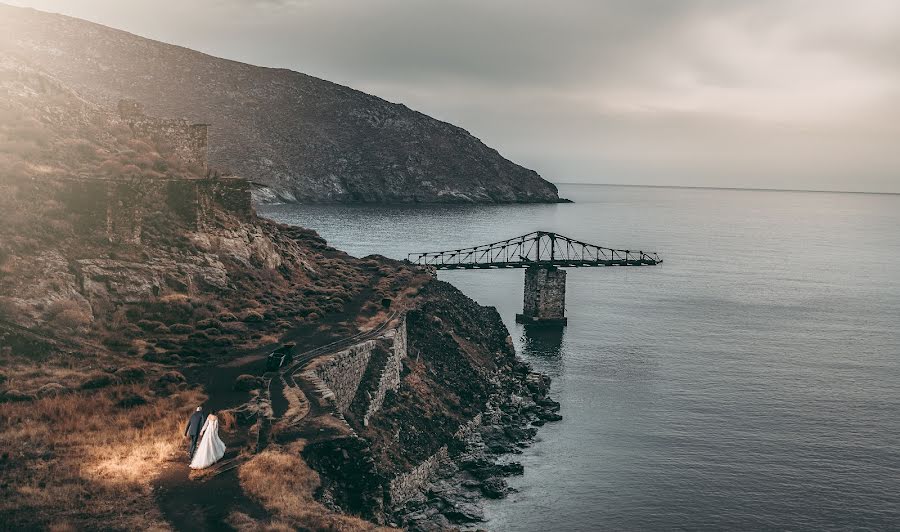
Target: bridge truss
{"type": "Point", "coordinates": [539, 248]}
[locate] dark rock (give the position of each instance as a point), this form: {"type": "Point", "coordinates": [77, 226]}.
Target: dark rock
{"type": "Point", "coordinates": [494, 488]}
{"type": "Point", "coordinates": [549, 404]}
{"type": "Point", "coordinates": [512, 468]}
{"type": "Point", "coordinates": [244, 383]}
{"type": "Point", "coordinates": [465, 512]}
{"type": "Point", "coordinates": [550, 416]}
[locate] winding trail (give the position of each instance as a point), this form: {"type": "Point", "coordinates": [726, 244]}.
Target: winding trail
{"type": "Point", "coordinates": [205, 501]}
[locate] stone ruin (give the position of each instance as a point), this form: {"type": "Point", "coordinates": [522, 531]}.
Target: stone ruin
{"type": "Point", "coordinates": [119, 206]}
{"type": "Point", "coordinates": [188, 141]}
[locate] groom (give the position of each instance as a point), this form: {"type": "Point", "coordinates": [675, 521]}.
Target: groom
{"type": "Point", "coordinates": [194, 424]}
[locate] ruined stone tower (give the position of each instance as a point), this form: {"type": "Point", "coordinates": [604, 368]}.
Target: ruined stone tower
{"type": "Point", "coordinates": [188, 141]}
{"type": "Point", "coordinates": [545, 296]}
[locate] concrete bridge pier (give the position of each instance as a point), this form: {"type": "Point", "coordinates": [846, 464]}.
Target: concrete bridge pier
{"type": "Point", "coordinates": [545, 296]}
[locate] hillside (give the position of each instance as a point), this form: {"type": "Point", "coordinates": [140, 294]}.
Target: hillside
{"type": "Point", "coordinates": [307, 139]}
{"type": "Point", "coordinates": [135, 286]}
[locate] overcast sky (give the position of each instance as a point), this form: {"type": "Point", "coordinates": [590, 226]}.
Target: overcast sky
{"type": "Point", "coordinates": [763, 93]}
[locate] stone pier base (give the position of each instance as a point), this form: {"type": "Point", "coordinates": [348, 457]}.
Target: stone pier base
{"type": "Point", "coordinates": [545, 296]}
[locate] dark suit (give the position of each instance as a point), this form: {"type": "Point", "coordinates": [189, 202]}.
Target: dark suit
{"type": "Point", "coordinates": [194, 424]}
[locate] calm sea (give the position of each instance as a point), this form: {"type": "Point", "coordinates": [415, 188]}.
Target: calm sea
{"type": "Point", "coordinates": [751, 381]}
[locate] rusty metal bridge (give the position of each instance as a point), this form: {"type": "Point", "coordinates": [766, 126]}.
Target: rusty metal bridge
{"type": "Point", "coordinates": [539, 248]}
{"type": "Point", "coordinates": [543, 254]}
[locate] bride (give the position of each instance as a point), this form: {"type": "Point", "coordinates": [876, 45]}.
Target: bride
{"type": "Point", "coordinates": [211, 448]}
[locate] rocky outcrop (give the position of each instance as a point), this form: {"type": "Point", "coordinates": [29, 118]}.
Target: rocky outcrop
{"type": "Point", "coordinates": [305, 138]}
{"type": "Point", "coordinates": [436, 404]}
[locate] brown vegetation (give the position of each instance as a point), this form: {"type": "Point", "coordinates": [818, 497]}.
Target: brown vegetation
{"type": "Point", "coordinates": [285, 485]}
{"type": "Point", "coordinates": [86, 460]}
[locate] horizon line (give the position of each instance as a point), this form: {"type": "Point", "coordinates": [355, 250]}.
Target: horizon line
{"type": "Point", "coordinates": [746, 189]}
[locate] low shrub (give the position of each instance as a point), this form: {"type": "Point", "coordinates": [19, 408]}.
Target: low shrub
{"type": "Point", "coordinates": [253, 317]}
{"type": "Point", "coordinates": [131, 400]}
{"type": "Point", "coordinates": [96, 381]}
{"type": "Point", "coordinates": [209, 323]}
{"type": "Point", "coordinates": [117, 342]}
{"type": "Point", "coordinates": [131, 374]}
{"type": "Point", "coordinates": [149, 325]}
{"type": "Point", "coordinates": [69, 314]}
{"type": "Point", "coordinates": [181, 328]}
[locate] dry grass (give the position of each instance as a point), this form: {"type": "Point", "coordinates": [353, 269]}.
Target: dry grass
{"type": "Point", "coordinates": [284, 484]}
{"type": "Point", "coordinates": [80, 460]}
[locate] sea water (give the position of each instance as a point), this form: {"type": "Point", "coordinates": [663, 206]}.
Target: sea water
{"type": "Point", "coordinates": [750, 381]}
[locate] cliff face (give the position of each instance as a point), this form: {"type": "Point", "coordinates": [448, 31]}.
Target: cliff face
{"type": "Point", "coordinates": [306, 138]}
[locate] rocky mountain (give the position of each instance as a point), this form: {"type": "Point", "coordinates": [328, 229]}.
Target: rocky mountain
{"type": "Point", "coordinates": [307, 139]}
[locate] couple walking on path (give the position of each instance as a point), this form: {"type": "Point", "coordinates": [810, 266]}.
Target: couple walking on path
{"type": "Point", "coordinates": [210, 448]}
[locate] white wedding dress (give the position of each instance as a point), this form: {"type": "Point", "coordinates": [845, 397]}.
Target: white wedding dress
{"type": "Point", "coordinates": [211, 448]}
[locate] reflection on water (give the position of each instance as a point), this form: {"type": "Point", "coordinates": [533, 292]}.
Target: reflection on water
{"type": "Point", "coordinates": [542, 341]}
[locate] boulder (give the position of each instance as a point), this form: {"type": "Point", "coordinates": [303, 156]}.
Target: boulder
{"type": "Point", "coordinates": [494, 488]}
{"type": "Point", "coordinates": [246, 383]}
{"type": "Point", "coordinates": [550, 416]}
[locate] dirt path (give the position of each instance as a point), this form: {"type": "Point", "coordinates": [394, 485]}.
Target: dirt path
{"type": "Point", "coordinates": [205, 503]}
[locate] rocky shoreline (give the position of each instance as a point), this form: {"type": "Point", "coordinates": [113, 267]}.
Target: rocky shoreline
{"type": "Point", "coordinates": [479, 462]}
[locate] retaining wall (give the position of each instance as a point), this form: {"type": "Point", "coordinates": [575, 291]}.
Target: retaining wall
{"type": "Point", "coordinates": [390, 375]}
{"type": "Point", "coordinates": [405, 486]}
{"type": "Point", "coordinates": [117, 206]}
{"type": "Point", "coordinates": [342, 373]}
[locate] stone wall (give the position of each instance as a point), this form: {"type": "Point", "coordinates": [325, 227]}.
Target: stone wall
{"type": "Point", "coordinates": [545, 293]}
{"type": "Point", "coordinates": [189, 142]}
{"type": "Point", "coordinates": [390, 375]}
{"type": "Point", "coordinates": [118, 207]}
{"type": "Point", "coordinates": [405, 486]}
{"type": "Point", "coordinates": [342, 373]}
{"type": "Point", "coordinates": [230, 193]}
